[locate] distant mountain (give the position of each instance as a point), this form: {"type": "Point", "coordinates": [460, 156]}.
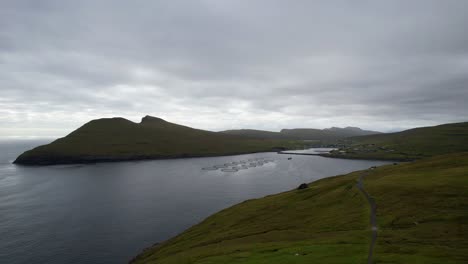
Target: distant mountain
{"type": "Point", "coordinates": [407, 145]}
{"type": "Point", "coordinates": [325, 134]}
{"type": "Point", "coordinates": [332, 133]}
{"type": "Point", "coordinates": [352, 131]}
{"type": "Point", "coordinates": [115, 139]}
{"type": "Point", "coordinates": [252, 133]}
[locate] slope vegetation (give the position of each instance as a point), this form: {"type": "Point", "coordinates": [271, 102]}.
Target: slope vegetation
{"type": "Point", "coordinates": [422, 217]}
{"type": "Point", "coordinates": [114, 139]}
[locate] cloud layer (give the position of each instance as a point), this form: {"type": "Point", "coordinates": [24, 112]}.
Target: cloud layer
{"type": "Point", "coordinates": [383, 65]}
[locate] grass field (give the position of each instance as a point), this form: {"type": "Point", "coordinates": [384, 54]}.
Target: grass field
{"type": "Point", "coordinates": [422, 213]}
{"type": "Point", "coordinates": [422, 210]}
{"type": "Point", "coordinates": [114, 139]}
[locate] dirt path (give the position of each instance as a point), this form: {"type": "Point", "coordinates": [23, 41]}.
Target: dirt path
{"type": "Point", "coordinates": [373, 218]}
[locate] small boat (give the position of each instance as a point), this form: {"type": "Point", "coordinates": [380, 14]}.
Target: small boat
{"type": "Point", "coordinates": [289, 158]}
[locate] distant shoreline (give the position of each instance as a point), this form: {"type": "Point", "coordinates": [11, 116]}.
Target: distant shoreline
{"type": "Point", "coordinates": [71, 161]}
{"type": "Point", "coordinates": [109, 159]}
{"type": "Point", "coordinates": [95, 160]}
{"type": "Point", "coordinates": [366, 158]}
{"type": "Point", "coordinates": [327, 155]}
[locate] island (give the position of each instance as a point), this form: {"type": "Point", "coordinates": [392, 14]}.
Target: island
{"type": "Point", "coordinates": [119, 139]}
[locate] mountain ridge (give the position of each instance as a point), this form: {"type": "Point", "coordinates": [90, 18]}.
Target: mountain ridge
{"type": "Point", "coordinates": [331, 133]}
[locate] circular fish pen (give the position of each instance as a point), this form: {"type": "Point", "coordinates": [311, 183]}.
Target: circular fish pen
{"type": "Point", "coordinates": [235, 166]}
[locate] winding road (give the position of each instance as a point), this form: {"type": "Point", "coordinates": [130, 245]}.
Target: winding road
{"type": "Point", "coordinates": [373, 218]}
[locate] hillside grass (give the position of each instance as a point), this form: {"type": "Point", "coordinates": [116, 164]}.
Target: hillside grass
{"type": "Point", "coordinates": [422, 212]}
{"type": "Point", "coordinates": [324, 222]}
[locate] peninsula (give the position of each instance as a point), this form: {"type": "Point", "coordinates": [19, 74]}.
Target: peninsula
{"type": "Point", "coordinates": [119, 139]}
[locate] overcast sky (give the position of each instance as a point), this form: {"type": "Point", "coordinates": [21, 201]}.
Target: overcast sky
{"type": "Point", "coordinates": [382, 65]}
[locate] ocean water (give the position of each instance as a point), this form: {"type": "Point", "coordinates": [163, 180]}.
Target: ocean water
{"type": "Point", "coordinates": [314, 151]}
{"type": "Point", "coordinates": [110, 212]}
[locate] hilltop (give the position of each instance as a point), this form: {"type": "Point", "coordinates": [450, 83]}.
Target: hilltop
{"type": "Point", "coordinates": [406, 145]}
{"type": "Point", "coordinates": [118, 139]}
{"type": "Point", "coordinates": [422, 217]}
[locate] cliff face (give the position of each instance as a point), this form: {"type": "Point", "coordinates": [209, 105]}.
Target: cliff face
{"type": "Point", "coordinates": [117, 139]}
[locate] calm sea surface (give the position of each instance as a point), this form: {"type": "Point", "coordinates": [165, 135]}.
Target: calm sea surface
{"type": "Point", "coordinates": [310, 151]}
{"type": "Point", "coordinates": [109, 212]}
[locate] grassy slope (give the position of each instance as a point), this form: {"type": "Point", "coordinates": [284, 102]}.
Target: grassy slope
{"type": "Point", "coordinates": [118, 138]}
{"type": "Point", "coordinates": [410, 144]}
{"type": "Point", "coordinates": [328, 217]}
{"type": "Point", "coordinates": [422, 211]}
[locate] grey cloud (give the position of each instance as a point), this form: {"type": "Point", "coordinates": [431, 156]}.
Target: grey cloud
{"type": "Point", "coordinates": [226, 64]}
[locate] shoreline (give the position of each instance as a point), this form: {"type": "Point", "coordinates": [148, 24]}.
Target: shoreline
{"type": "Point", "coordinates": [109, 159]}
{"type": "Point", "coordinates": [71, 161]}
{"type": "Point", "coordinates": [327, 155]}
{"type": "Point", "coordinates": [367, 158]}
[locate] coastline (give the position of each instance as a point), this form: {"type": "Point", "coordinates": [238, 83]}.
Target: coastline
{"type": "Point", "coordinates": [366, 158]}
{"type": "Point", "coordinates": [109, 159]}
{"type": "Point", "coordinates": [51, 161]}
{"type": "Point", "coordinates": [328, 155]}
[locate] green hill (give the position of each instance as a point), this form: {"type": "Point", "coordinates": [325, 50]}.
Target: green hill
{"type": "Point", "coordinates": [115, 139]}
{"type": "Point", "coordinates": [407, 145]}
{"type": "Point", "coordinates": [422, 217]}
